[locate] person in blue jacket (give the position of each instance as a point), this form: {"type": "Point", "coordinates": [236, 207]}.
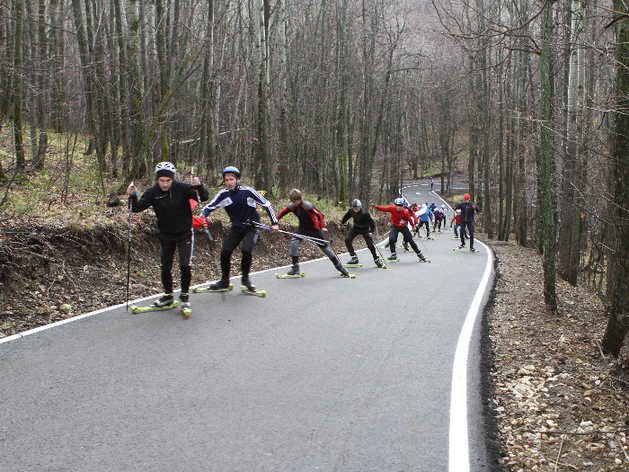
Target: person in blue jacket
{"type": "Point", "coordinates": [241, 204]}
{"type": "Point", "coordinates": [425, 216]}
{"type": "Point", "coordinates": [468, 210]}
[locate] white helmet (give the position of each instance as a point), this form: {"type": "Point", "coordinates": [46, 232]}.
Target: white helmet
{"type": "Point", "coordinates": [165, 169]}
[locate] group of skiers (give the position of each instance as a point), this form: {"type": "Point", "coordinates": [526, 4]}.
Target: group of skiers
{"type": "Point", "coordinates": [170, 199]}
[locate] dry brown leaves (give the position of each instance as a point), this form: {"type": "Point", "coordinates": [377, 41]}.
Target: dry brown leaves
{"type": "Point", "coordinates": [558, 402]}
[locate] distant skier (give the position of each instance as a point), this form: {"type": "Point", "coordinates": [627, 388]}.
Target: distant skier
{"type": "Point", "coordinates": [425, 216]}
{"type": "Point", "coordinates": [468, 209]}
{"type": "Point", "coordinates": [440, 217]}
{"type": "Point", "coordinates": [456, 220]}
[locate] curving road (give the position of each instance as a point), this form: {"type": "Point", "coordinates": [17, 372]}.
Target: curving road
{"type": "Point", "coordinates": [324, 374]}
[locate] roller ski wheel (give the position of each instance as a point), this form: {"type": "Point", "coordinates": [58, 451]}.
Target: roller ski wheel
{"type": "Point", "coordinates": [208, 289]}
{"type": "Point", "coordinates": [143, 309]}
{"type": "Point", "coordinates": [290, 276]}
{"type": "Point", "coordinates": [459, 248]}
{"type": "Point", "coordinates": [393, 259]}
{"type": "Point", "coordinates": [348, 276]}
{"type": "Point", "coordinates": [257, 293]}
{"type": "Point", "coordinates": [186, 310]}
{"type": "Point", "coordinates": [474, 250]}
{"type": "Point", "coordinates": [425, 260]}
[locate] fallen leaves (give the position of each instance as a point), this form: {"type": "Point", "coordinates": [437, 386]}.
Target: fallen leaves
{"type": "Point", "coordinates": [557, 406]}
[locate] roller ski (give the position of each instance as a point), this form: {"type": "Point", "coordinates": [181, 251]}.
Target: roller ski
{"type": "Point", "coordinates": [380, 263]}
{"type": "Point", "coordinates": [343, 271]}
{"type": "Point", "coordinates": [393, 258]}
{"type": "Point", "coordinates": [290, 276]}
{"type": "Point", "coordinates": [292, 273]}
{"type": "Point", "coordinates": [474, 250]}
{"type": "Point", "coordinates": [185, 304]}
{"type": "Point", "coordinates": [220, 286]}
{"type": "Point", "coordinates": [353, 262]}
{"type": "Point", "coordinates": [165, 302]}
{"type": "Point", "coordinates": [462, 246]}
{"type": "Point", "coordinates": [421, 258]}
{"type": "Point", "coordinates": [248, 288]}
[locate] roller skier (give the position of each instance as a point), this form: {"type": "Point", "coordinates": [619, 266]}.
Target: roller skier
{"type": "Point", "coordinates": [364, 225]}
{"type": "Point", "coordinates": [311, 224]}
{"type": "Point", "coordinates": [170, 199]}
{"type": "Point", "coordinates": [400, 217]}
{"type": "Point", "coordinates": [241, 204]}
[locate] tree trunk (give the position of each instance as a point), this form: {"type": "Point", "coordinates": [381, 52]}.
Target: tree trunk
{"type": "Point", "coordinates": [262, 167]}
{"type": "Point", "coordinates": [17, 89]}
{"type": "Point", "coordinates": [283, 126]}
{"type": "Point", "coordinates": [42, 84]}
{"type": "Point", "coordinates": [343, 125]}
{"type": "Point", "coordinates": [546, 214]}
{"type": "Point", "coordinates": [570, 236]}
{"type": "Point", "coordinates": [618, 266]}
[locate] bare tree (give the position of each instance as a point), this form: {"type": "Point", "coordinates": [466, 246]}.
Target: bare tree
{"type": "Point", "coordinates": [618, 241]}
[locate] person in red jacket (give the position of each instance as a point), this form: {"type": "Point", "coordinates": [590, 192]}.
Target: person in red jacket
{"type": "Point", "coordinates": [400, 217]}
{"type": "Point", "coordinates": [312, 224]}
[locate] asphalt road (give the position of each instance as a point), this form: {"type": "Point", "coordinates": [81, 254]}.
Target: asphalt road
{"type": "Point", "coordinates": [324, 374]}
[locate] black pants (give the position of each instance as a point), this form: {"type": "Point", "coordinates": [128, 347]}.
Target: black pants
{"type": "Point", "coordinates": [168, 244]}
{"type": "Point", "coordinates": [408, 238]}
{"type": "Point", "coordinates": [249, 236]}
{"type": "Point", "coordinates": [422, 223]}
{"type": "Point", "coordinates": [351, 235]}
{"type": "Point", "coordinates": [470, 232]}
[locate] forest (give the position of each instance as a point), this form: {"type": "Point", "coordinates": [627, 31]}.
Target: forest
{"type": "Point", "coordinates": [347, 99]}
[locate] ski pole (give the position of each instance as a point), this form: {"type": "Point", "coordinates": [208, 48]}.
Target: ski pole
{"type": "Point", "coordinates": [295, 235]}
{"type": "Point", "coordinates": [129, 248]}
{"type": "Point", "coordinates": [379, 253]}
{"type": "Point", "coordinates": [204, 221]}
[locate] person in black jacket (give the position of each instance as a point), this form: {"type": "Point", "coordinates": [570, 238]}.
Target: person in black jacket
{"type": "Point", "coordinates": [170, 200]}
{"type": "Point", "coordinates": [468, 209]}
{"type": "Point", "coordinates": [364, 225]}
